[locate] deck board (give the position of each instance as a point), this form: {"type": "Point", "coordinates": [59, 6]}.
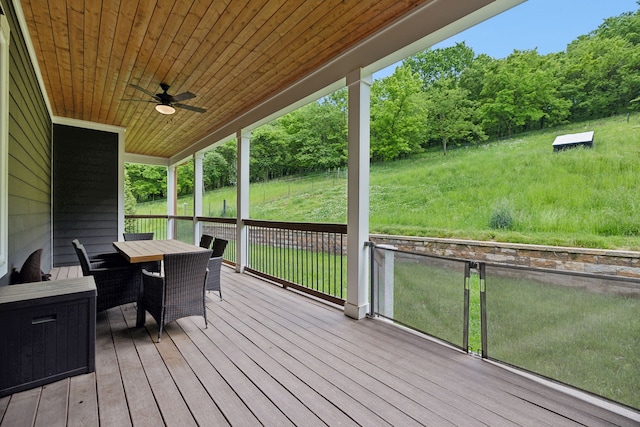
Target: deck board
{"type": "Point", "coordinates": [52, 408]}
{"type": "Point", "coordinates": [83, 401]}
{"type": "Point", "coordinates": [270, 356]}
{"type": "Point", "coordinates": [142, 406]}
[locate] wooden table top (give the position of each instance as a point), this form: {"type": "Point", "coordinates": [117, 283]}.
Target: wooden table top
{"type": "Point", "coordinates": [152, 250]}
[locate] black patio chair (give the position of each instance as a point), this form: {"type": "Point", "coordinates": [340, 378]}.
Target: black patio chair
{"type": "Point", "coordinates": [154, 266]}
{"type": "Point", "coordinates": [205, 241]}
{"type": "Point", "coordinates": [180, 292]}
{"type": "Point", "coordinates": [215, 264]}
{"type": "Point", "coordinates": [137, 236]}
{"type": "Point", "coordinates": [116, 284]}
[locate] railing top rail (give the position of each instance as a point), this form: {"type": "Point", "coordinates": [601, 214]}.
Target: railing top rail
{"type": "Point", "coordinates": [302, 226]}
{"type": "Point", "coordinates": [596, 276]}
{"type": "Point", "coordinates": [146, 216]}
{"type": "Point", "coordinates": [419, 254]}
{"type": "Point", "coordinates": [216, 219]}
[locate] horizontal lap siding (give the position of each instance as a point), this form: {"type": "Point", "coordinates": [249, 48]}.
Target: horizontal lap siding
{"type": "Point", "coordinates": [85, 191]}
{"type": "Point", "coordinates": [29, 156]}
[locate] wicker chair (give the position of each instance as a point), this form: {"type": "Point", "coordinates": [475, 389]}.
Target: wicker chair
{"type": "Point", "coordinates": [180, 292]}
{"type": "Point", "coordinates": [154, 266]}
{"type": "Point", "coordinates": [137, 236]}
{"type": "Point", "coordinates": [116, 284]}
{"type": "Point", "coordinates": [205, 241]}
{"type": "Point", "coordinates": [219, 245]}
{"type": "Point", "coordinates": [215, 264]}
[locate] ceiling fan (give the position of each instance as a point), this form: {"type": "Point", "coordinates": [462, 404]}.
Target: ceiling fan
{"type": "Point", "coordinates": [165, 103]}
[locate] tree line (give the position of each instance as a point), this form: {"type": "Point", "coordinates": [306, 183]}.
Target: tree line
{"type": "Point", "coordinates": [436, 99]}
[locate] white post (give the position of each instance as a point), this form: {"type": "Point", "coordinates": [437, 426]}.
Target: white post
{"type": "Point", "coordinates": [171, 200]}
{"type": "Point", "coordinates": [242, 206]}
{"type": "Point", "coordinates": [384, 277]}
{"type": "Point", "coordinates": [359, 86]}
{"type": "Point", "coordinates": [198, 187]}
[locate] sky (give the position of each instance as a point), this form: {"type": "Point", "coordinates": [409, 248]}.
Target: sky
{"type": "Point", "coordinates": [548, 25]}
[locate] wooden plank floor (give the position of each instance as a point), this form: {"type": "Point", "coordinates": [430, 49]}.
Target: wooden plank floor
{"type": "Point", "coordinates": [272, 357]}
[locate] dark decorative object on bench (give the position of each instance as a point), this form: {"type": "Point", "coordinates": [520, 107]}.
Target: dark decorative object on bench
{"type": "Point", "coordinates": [117, 283]}
{"type": "Point", "coordinates": [30, 271]}
{"type": "Point", "coordinates": [215, 264]}
{"type": "Point", "coordinates": [180, 292]}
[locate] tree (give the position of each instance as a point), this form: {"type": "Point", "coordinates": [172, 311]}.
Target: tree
{"type": "Point", "coordinates": [147, 182]}
{"type": "Point", "coordinates": [215, 170]}
{"type": "Point", "coordinates": [601, 76]}
{"type": "Point", "coordinates": [451, 115]}
{"type": "Point", "coordinates": [317, 135]}
{"type": "Point", "coordinates": [439, 64]}
{"type": "Point", "coordinates": [270, 153]}
{"type": "Point", "coordinates": [185, 176]}
{"type": "Point", "coordinates": [397, 115]}
{"type": "Point", "coordinates": [521, 91]}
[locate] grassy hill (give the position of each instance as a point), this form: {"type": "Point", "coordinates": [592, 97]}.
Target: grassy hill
{"type": "Point", "coordinates": [516, 190]}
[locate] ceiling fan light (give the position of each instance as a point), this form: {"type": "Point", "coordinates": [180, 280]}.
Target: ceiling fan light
{"type": "Point", "coordinates": [165, 109]}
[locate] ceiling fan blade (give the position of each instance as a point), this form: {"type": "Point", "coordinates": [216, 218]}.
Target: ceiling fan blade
{"type": "Point", "coordinates": [151, 94]}
{"type": "Point", "coordinates": [183, 97]}
{"type": "Point", "coordinates": [189, 107]}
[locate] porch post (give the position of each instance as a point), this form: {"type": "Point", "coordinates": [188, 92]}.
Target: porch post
{"type": "Point", "coordinates": [171, 200]}
{"type": "Point", "coordinates": [198, 184]}
{"type": "Point", "coordinates": [242, 207]}
{"type": "Point", "coordinates": [359, 86]}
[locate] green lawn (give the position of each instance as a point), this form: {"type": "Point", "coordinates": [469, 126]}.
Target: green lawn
{"type": "Point", "coordinates": [580, 197]}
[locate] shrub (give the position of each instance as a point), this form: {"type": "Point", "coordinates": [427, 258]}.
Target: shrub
{"type": "Point", "coordinates": [502, 216]}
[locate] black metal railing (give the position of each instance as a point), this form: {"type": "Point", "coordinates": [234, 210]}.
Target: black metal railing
{"type": "Point", "coordinates": [309, 257]}
{"type": "Point", "coordinates": [156, 224]}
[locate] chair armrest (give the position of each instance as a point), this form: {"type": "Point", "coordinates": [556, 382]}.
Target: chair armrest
{"type": "Point", "coordinates": [151, 279]}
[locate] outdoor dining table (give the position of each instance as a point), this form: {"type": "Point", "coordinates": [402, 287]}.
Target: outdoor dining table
{"type": "Point", "coordinates": [136, 251]}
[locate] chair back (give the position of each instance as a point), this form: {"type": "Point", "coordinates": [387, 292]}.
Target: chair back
{"type": "Point", "coordinates": [137, 236]}
{"type": "Point", "coordinates": [186, 267]}
{"type": "Point", "coordinates": [82, 256]}
{"type": "Point", "coordinates": [205, 241]}
{"type": "Point", "coordinates": [219, 246]}
{"type": "Point", "coordinates": [184, 282]}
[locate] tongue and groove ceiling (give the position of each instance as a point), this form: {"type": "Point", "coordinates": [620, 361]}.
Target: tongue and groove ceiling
{"type": "Point", "coordinates": [234, 55]}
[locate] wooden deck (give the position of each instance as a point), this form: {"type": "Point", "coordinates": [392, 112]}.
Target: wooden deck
{"type": "Point", "coordinates": [272, 357]}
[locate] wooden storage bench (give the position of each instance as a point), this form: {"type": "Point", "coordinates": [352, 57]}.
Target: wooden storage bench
{"type": "Point", "coordinates": [47, 332]}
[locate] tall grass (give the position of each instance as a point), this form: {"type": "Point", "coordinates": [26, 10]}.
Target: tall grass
{"type": "Point", "coordinates": [579, 197]}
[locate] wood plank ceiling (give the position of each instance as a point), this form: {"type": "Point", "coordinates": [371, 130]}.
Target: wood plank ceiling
{"type": "Point", "coordinates": [231, 54]}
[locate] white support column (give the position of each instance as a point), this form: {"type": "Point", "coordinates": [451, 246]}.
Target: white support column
{"type": "Point", "coordinates": [242, 200]}
{"type": "Point", "coordinates": [198, 187]}
{"type": "Point", "coordinates": [359, 86]}
{"type": "Point", "coordinates": [171, 200]}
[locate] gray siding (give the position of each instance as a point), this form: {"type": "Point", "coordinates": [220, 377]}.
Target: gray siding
{"type": "Point", "coordinates": [29, 157]}
{"type": "Point", "coordinates": [85, 206]}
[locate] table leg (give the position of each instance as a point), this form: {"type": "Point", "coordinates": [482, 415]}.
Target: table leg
{"type": "Point", "coordinates": [140, 316]}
